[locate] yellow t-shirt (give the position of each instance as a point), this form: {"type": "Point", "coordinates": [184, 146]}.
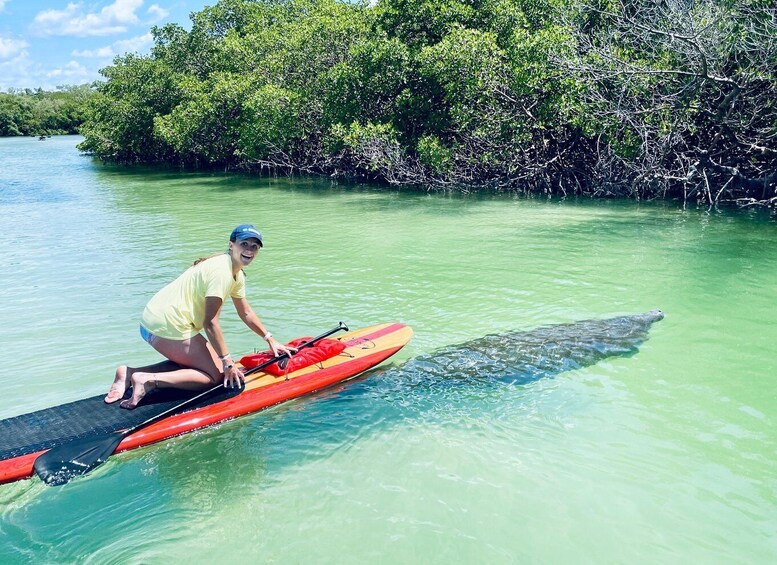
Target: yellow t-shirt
{"type": "Point", "coordinates": [178, 310]}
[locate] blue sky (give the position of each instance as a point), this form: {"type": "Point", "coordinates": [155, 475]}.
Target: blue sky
{"type": "Point", "coordinates": [46, 43]}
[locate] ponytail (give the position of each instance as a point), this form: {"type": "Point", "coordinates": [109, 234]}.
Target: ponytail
{"type": "Point", "coordinates": [201, 259]}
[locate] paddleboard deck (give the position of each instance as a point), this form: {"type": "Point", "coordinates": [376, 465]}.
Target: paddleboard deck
{"type": "Point", "coordinates": [24, 438]}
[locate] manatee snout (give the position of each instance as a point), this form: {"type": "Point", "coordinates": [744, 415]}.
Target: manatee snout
{"type": "Point", "coordinates": [655, 315]}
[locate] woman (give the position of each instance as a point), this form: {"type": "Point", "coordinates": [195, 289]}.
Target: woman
{"type": "Point", "coordinates": [172, 320]}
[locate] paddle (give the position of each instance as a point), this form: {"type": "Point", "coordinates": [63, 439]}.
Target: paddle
{"type": "Point", "coordinates": [64, 462]}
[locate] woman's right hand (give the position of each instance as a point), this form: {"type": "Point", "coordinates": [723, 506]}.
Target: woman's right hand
{"type": "Point", "coordinates": [233, 377]}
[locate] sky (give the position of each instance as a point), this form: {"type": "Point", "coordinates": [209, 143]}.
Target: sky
{"type": "Point", "coordinates": [48, 43]}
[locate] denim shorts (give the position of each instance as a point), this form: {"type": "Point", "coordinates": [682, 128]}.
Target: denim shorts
{"type": "Point", "coordinates": [147, 336]}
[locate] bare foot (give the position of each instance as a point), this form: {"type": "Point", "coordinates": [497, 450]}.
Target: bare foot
{"type": "Point", "coordinates": [119, 386]}
{"type": "Point", "coordinates": [142, 384]}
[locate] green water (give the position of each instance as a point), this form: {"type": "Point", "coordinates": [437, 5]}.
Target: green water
{"type": "Point", "coordinates": [667, 456]}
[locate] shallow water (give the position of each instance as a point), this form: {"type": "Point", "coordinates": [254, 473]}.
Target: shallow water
{"type": "Point", "coordinates": [663, 456]}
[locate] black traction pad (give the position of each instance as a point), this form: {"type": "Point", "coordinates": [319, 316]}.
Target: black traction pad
{"type": "Point", "coordinates": [91, 417]}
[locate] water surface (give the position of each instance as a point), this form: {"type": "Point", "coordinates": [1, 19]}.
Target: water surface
{"type": "Point", "coordinates": [664, 456]}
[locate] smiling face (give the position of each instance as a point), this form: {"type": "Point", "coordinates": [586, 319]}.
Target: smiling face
{"type": "Point", "coordinates": [243, 252]}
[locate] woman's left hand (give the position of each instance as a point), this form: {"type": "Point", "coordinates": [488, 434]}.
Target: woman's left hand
{"type": "Point", "coordinates": [278, 347]}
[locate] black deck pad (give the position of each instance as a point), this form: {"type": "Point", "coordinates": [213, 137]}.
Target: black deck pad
{"type": "Point", "coordinates": [90, 417]}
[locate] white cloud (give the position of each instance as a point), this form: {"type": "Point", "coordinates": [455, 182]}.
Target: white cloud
{"type": "Point", "coordinates": [3, 3]}
{"type": "Point", "coordinates": [22, 72]}
{"type": "Point", "coordinates": [157, 14]}
{"type": "Point", "coordinates": [74, 20]}
{"type": "Point", "coordinates": [15, 73]}
{"type": "Point", "coordinates": [135, 44]}
{"type": "Point", "coordinates": [72, 73]}
{"type": "Point", "coordinates": [101, 52]}
{"type": "Point", "coordinates": [11, 47]}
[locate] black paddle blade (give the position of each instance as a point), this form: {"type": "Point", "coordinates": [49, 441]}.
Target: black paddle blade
{"type": "Point", "coordinates": [64, 462]}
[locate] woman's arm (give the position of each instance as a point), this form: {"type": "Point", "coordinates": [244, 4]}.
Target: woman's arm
{"type": "Point", "coordinates": [232, 375]}
{"type": "Point", "coordinates": [251, 320]}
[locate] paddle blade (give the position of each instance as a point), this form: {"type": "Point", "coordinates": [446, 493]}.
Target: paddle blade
{"type": "Point", "coordinates": [64, 462]}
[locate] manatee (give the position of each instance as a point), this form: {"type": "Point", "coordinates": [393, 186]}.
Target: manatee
{"type": "Point", "coordinates": [525, 356]}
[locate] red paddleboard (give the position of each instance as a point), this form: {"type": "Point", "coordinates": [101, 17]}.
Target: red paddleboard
{"type": "Point", "coordinates": [24, 438]}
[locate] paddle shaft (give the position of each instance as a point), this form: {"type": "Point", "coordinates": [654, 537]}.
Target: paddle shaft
{"type": "Point", "coordinates": [59, 464]}
{"type": "Point", "coordinates": [341, 326]}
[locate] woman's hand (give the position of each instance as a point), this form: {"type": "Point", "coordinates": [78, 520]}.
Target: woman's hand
{"type": "Point", "coordinates": [233, 376]}
{"type": "Point", "coordinates": [278, 347]}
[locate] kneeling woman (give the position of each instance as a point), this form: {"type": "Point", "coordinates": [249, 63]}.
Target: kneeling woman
{"type": "Point", "coordinates": [172, 321]}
